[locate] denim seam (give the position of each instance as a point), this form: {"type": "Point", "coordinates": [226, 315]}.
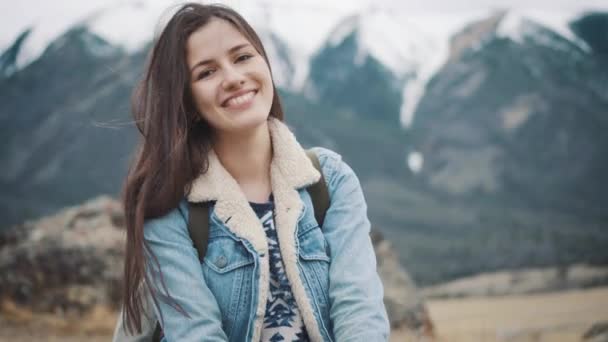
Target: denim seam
{"type": "Point", "coordinates": [319, 274]}
{"type": "Point", "coordinates": [227, 268]}
{"type": "Point", "coordinates": [318, 257]}
{"type": "Point", "coordinates": [329, 166]}
{"type": "Point", "coordinates": [313, 299]}
{"type": "Point", "coordinates": [308, 227]}
{"type": "Point", "coordinates": [236, 289]}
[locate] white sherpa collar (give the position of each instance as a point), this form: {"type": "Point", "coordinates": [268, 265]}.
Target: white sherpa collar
{"type": "Point", "coordinates": [288, 157]}
{"type": "Point", "coordinates": [289, 165]}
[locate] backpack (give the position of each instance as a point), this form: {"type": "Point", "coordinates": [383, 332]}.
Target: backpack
{"type": "Point", "coordinates": [198, 219]}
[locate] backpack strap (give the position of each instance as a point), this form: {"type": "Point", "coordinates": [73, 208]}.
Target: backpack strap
{"type": "Point", "coordinates": [158, 333]}
{"type": "Point", "coordinates": [198, 227]}
{"type": "Point", "coordinates": [318, 191]}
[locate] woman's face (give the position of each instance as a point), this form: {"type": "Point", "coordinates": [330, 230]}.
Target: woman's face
{"type": "Point", "coordinates": [230, 81]}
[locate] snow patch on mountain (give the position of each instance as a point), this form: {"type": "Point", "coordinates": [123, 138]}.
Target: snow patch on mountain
{"type": "Point", "coordinates": [439, 28]}
{"type": "Point", "coordinates": [404, 48]}
{"type": "Point", "coordinates": [517, 25]}
{"type": "Point", "coordinates": [127, 24]}
{"type": "Point", "coordinates": [389, 38]}
{"type": "Point", "coordinates": [303, 29]}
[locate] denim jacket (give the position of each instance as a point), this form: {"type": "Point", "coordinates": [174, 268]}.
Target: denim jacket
{"type": "Point", "coordinates": [332, 271]}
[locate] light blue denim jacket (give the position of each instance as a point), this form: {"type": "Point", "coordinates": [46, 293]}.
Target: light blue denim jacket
{"type": "Point", "coordinates": [332, 270]}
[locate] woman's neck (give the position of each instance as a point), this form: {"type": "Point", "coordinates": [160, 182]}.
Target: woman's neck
{"type": "Point", "coordinates": [247, 158]}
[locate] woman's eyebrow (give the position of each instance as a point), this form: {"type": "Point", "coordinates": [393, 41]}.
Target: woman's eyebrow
{"type": "Point", "coordinates": [230, 51]}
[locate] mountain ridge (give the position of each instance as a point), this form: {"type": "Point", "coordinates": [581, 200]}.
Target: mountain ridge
{"type": "Point", "coordinates": [509, 138]}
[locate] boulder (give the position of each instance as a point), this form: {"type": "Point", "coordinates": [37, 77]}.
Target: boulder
{"type": "Point", "coordinates": [67, 262]}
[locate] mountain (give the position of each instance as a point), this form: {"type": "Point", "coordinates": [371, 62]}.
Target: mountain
{"type": "Point", "coordinates": [281, 58]}
{"type": "Point", "coordinates": [57, 121]}
{"type": "Point", "coordinates": [511, 134]}
{"type": "Point", "coordinates": [499, 167]}
{"type": "Point", "coordinates": [592, 29]}
{"type": "Point", "coordinates": [526, 114]}
{"type": "Point", "coordinates": [368, 54]}
{"type": "Point", "coordinates": [8, 59]}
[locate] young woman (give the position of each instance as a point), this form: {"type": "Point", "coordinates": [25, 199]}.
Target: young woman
{"type": "Point", "coordinates": [213, 131]}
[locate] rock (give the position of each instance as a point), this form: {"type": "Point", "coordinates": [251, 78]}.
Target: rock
{"type": "Point", "coordinates": [522, 281]}
{"type": "Point", "coordinates": [403, 301]}
{"type": "Point", "coordinates": [71, 262]}
{"type": "Point", "coordinates": [65, 263]}
{"type": "Point", "coordinates": [598, 332]}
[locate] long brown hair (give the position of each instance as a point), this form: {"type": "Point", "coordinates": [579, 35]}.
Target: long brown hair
{"type": "Point", "coordinates": [174, 145]}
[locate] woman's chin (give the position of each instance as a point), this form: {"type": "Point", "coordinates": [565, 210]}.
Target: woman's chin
{"type": "Point", "coordinates": [244, 123]}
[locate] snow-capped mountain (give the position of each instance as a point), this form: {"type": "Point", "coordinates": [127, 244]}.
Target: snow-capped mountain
{"type": "Point", "coordinates": [508, 136]}
{"type": "Point", "coordinates": [411, 46]}
{"type": "Point", "coordinates": [514, 103]}
{"type": "Point", "coordinates": [145, 19]}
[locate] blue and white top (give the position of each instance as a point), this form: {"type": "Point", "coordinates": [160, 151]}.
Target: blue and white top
{"type": "Point", "coordinates": [282, 321]}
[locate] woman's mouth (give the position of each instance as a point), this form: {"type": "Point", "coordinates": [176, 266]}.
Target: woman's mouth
{"type": "Point", "coordinates": [241, 101]}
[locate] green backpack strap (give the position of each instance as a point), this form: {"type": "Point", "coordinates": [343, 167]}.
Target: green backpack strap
{"type": "Point", "coordinates": [318, 191]}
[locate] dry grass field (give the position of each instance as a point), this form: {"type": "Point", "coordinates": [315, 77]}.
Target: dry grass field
{"type": "Point", "coordinates": [556, 317]}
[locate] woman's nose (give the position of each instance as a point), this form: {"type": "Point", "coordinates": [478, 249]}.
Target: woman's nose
{"type": "Point", "coordinates": [233, 78]}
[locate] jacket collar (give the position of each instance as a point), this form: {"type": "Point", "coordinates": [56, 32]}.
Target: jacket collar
{"type": "Point", "coordinates": [289, 158]}
{"type": "Point", "coordinates": [290, 169]}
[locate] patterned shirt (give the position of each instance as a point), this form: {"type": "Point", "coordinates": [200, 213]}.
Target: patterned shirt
{"type": "Point", "coordinates": [282, 321]}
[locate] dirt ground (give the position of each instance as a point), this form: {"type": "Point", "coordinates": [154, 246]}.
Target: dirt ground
{"type": "Point", "coordinates": [555, 317]}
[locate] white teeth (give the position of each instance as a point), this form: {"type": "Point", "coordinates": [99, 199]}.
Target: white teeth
{"type": "Point", "coordinates": [235, 101]}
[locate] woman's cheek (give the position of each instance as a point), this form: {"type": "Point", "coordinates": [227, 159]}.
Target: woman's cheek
{"type": "Point", "coordinates": [202, 97]}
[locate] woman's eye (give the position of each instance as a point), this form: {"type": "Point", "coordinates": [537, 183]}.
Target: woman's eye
{"type": "Point", "coordinates": [204, 74]}
{"type": "Point", "coordinates": [244, 57]}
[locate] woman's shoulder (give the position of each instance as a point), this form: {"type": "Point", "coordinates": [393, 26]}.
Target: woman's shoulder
{"type": "Point", "coordinates": [173, 223]}
{"type": "Point", "coordinates": [332, 164]}
{"type": "Point", "coordinates": [327, 158]}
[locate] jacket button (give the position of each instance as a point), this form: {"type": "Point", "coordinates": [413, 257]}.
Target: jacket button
{"type": "Point", "coordinates": [221, 261]}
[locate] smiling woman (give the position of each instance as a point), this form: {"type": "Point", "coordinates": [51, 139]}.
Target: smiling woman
{"type": "Point", "coordinates": [234, 232]}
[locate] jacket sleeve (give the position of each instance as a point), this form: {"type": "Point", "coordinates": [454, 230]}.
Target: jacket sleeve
{"type": "Point", "coordinates": [355, 290]}
{"type": "Point", "coordinates": [170, 242]}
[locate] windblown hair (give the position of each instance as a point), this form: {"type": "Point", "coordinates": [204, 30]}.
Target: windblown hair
{"type": "Point", "coordinates": [174, 146]}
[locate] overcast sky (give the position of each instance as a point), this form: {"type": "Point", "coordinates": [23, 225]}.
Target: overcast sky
{"type": "Point", "coordinates": [56, 16]}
